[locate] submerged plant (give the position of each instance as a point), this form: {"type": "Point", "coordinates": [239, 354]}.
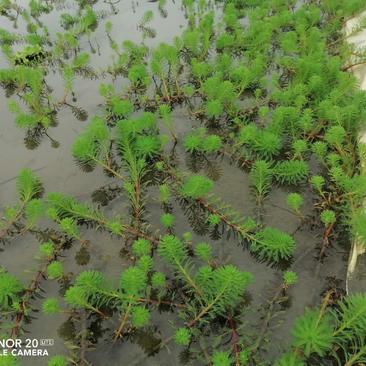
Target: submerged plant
{"type": "Point", "coordinates": [272, 244]}
{"type": "Point", "coordinates": [266, 88]}
{"type": "Point", "coordinates": [313, 333]}
{"type": "Point", "coordinates": [261, 179]}
{"type": "Point", "coordinates": [295, 202]}
{"type": "Point", "coordinates": [196, 186]}
{"type": "Point", "coordinates": [10, 290]}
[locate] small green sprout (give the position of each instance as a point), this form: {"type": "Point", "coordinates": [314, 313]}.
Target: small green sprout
{"type": "Point", "coordinates": [55, 270]}
{"type": "Point", "coordinates": [57, 361]}
{"type": "Point", "coordinates": [158, 280]}
{"type": "Point", "coordinates": [213, 219]}
{"type": "Point", "coordinates": [10, 289]}
{"type": "Point", "coordinates": [203, 251]}
{"type": "Point", "coordinates": [47, 249]}
{"type": "Point", "coordinates": [211, 144]}
{"type": "Point", "coordinates": [244, 357]}
{"type": "Point", "coordinates": [182, 336]}
{"type": "Point", "coordinates": [197, 186]}
{"type": "Point", "coordinates": [295, 201]}
{"type": "Point", "coordinates": [313, 333]}
{"type": "Point", "coordinates": [115, 227]}
{"type": "Point", "coordinates": [187, 237]}
{"type": "Point", "coordinates": [140, 316]}
{"type": "Point", "coordinates": [300, 147]}
{"type": "Point", "coordinates": [335, 135]}
{"type": "Point", "coordinates": [289, 278]}
{"type": "Point", "coordinates": [164, 193]}
{"type": "Point", "coordinates": [167, 220]}
{"type": "Point", "coordinates": [159, 165]}
{"type": "Point", "coordinates": [51, 306]}
{"type": "Point", "coordinates": [328, 217]}
{"type": "Point", "coordinates": [319, 149]}
{"type": "Point", "coordinates": [141, 247]}
{"type": "Point", "coordinates": [214, 109]}
{"type": "Point", "coordinates": [273, 244]}
{"type": "Point", "coordinates": [220, 358]}
{"type": "Point", "coordinates": [9, 360]}
{"type": "Point", "coordinates": [192, 143]}
{"type": "Point", "coordinates": [318, 182]}
{"type": "Point", "coordinates": [145, 263]}
{"type": "Point", "coordinates": [69, 227]}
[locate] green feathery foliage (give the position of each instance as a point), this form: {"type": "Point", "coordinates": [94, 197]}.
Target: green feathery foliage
{"type": "Point", "coordinates": [182, 336]}
{"type": "Point", "coordinates": [272, 244]}
{"type": "Point", "coordinates": [318, 182]}
{"type": "Point", "coordinates": [62, 206]}
{"type": "Point", "coordinates": [289, 278]}
{"type": "Point", "coordinates": [28, 185]}
{"type": "Point", "coordinates": [145, 263]}
{"type": "Point", "coordinates": [9, 360]}
{"type": "Point", "coordinates": [295, 201]}
{"type": "Point", "coordinates": [55, 270]}
{"type": "Point", "coordinates": [172, 250]}
{"type": "Point", "coordinates": [200, 141]}
{"type": "Point", "coordinates": [47, 250]}
{"type": "Point", "coordinates": [291, 172]}
{"type": "Point", "coordinates": [313, 333]}
{"type": "Point", "coordinates": [57, 361]}
{"type": "Point", "coordinates": [51, 306]}
{"type": "Point", "coordinates": [141, 247]}
{"type": "Point", "coordinates": [158, 280]}
{"type": "Point", "coordinates": [10, 291]}
{"type": "Point", "coordinates": [260, 179]}
{"type": "Point", "coordinates": [358, 225]}
{"type": "Point", "coordinates": [203, 251]}
{"type": "Point", "coordinates": [121, 108]}
{"type": "Point", "coordinates": [89, 291]}
{"type": "Point", "coordinates": [167, 220]}
{"type": "Point", "coordinates": [328, 217]}
{"type": "Point", "coordinates": [133, 281]}
{"type": "Point", "coordinates": [92, 145]}
{"type": "Point", "coordinates": [351, 317]}
{"type": "Point", "coordinates": [263, 143]}
{"type": "Point", "coordinates": [289, 359]}
{"type": "Point", "coordinates": [196, 186]}
{"type": "Point", "coordinates": [164, 193]}
{"type": "Point", "coordinates": [269, 82]}
{"type": "Point", "coordinates": [220, 358]}
{"type": "Point", "coordinates": [140, 316]}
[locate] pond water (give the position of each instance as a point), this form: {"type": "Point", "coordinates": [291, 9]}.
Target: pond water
{"type": "Point", "coordinates": [58, 172]}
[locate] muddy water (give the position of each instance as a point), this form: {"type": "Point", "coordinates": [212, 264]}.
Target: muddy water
{"type": "Point", "coordinates": [58, 172]}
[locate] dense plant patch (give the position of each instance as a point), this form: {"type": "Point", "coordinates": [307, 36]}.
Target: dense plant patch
{"type": "Point", "coordinates": [266, 86]}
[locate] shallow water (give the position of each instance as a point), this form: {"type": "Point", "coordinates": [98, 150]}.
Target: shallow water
{"type": "Point", "coordinates": [58, 172]}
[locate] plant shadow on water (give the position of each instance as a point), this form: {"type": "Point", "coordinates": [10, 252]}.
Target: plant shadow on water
{"type": "Point", "coordinates": [191, 193]}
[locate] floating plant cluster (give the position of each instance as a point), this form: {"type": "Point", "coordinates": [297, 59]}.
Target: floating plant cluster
{"type": "Point", "coordinates": [266, 86]}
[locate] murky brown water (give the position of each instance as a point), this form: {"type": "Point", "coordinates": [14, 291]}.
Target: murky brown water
{"type": "Point", "coordinates": [58, 172]}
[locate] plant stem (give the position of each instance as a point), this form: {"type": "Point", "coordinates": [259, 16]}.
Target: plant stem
{"type": "Point", "coordinates": [189, 278]}
{"type": "Point", "coordinates": [234, 340]}
{"type": "Point", "coordinates": [327, 233]}
{"type": "Point", "coordinates": [108, 168]}
{"type": "Point", "coordinates": [123, 322]}
{"type": "Point", "coordinates": [355, 357]}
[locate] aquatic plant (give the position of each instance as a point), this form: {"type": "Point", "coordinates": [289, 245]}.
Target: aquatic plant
{"type": "Point", "coordinates": [29, 189]}
{"type": "Point", "coordinates": [266, 87]}
{"type": "Point", "coordinates": [295, 202]}
{"type": "Point", "coordinates": [196, 186]}
{"type": "Point", "coordinates": [313, 333]}
{"type": "Point", "coordinates": [272, 244]}
{"type": "Point", "coordinates": [291, 172]}
{"type": "Point", "coordinates": [10, 290]}
{"type": "Point", "coordinates": [261, 179]}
